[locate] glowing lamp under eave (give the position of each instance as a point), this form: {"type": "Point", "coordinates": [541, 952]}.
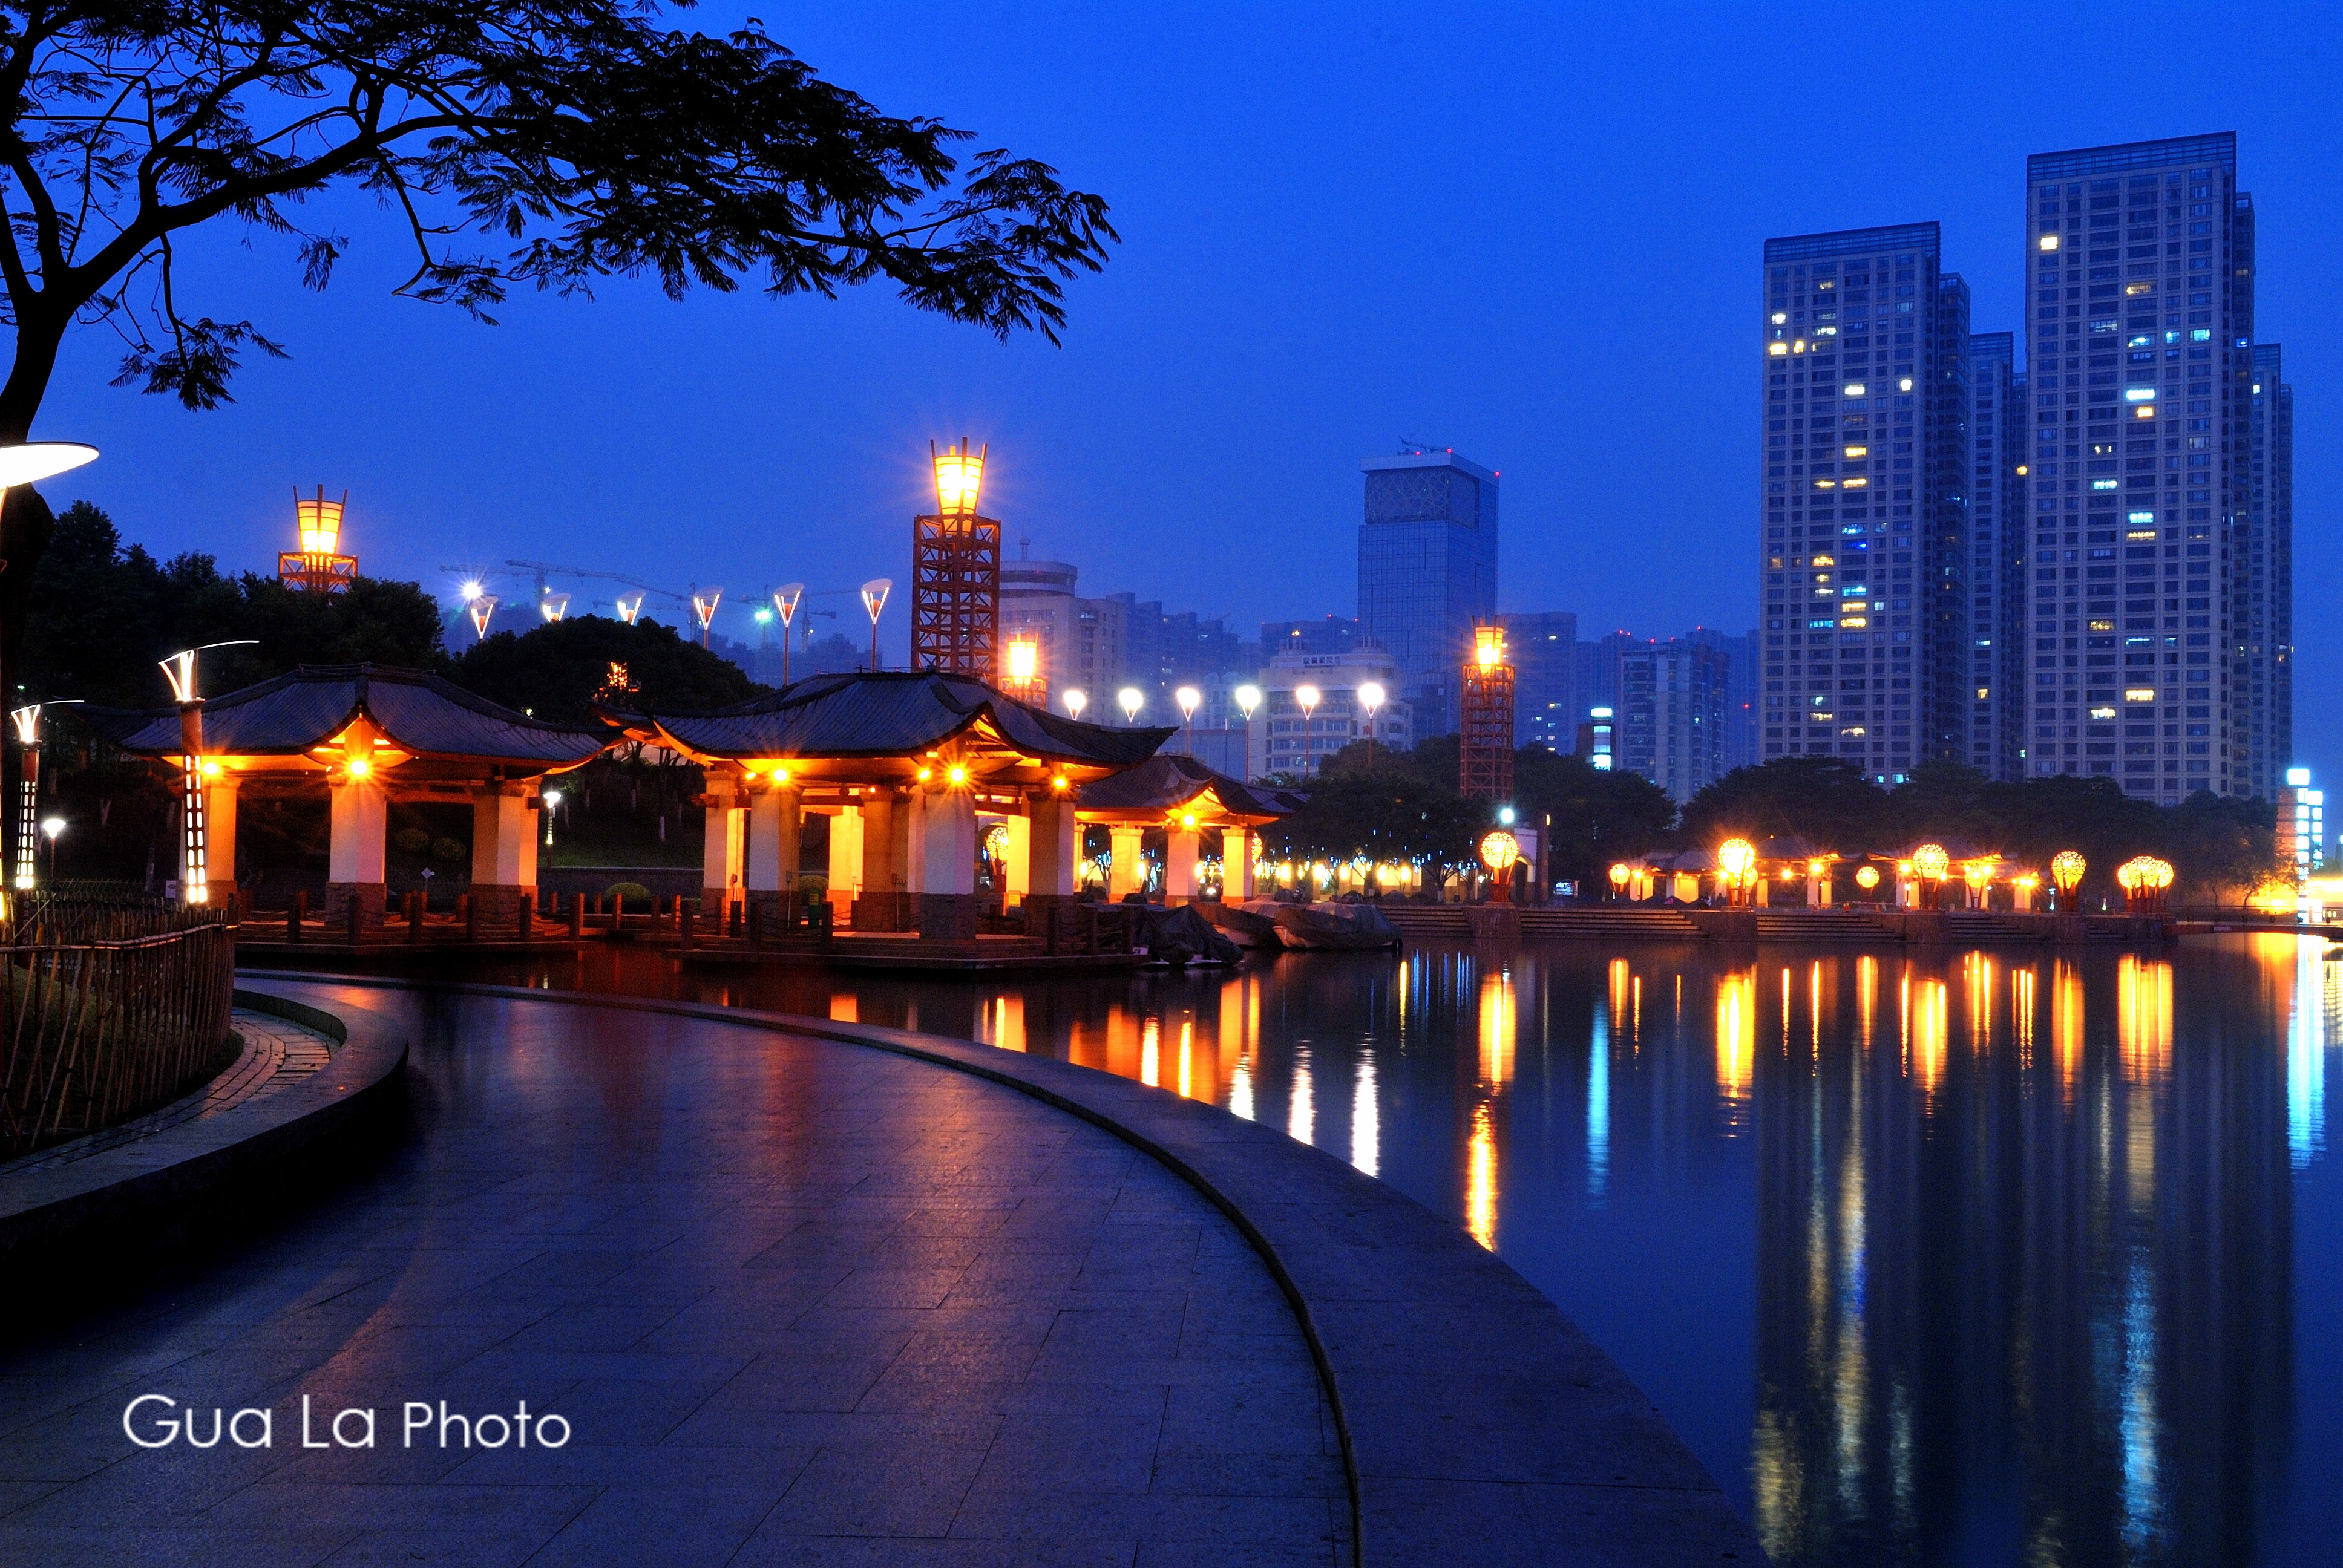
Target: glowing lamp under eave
{"type": "Point", "coordinates": [1499, 849]}
{"type": "Point", "coordinates": [959, 480]}
{"type": "Point", "coordinates": [956, 775]}
{"type": "Point", "coordinates": [1931, 861]}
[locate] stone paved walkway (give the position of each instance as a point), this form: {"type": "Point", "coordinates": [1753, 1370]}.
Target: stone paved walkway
{"type": "Point", "coordinates": [277, 1054]}
{"type": "Point", "coordinates": [798, 1301]}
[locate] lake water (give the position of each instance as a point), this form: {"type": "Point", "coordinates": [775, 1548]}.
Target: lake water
{"type": "Point", "coordinates": [1987, 1256]}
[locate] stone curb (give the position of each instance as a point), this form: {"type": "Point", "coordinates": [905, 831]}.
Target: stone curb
{"type": "Point", "coordinates": [133, 1200]}
{"type": "Point", "coordinates": [1478, 1424]}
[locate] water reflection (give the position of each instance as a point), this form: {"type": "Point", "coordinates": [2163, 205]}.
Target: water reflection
{"type": "Point", "coordinates": [1983, 1257]}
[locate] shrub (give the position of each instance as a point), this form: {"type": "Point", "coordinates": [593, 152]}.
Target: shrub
{"type": "Point", "coordinates": [448, 850]}
{"type": "Point", "coordinates": [411, 841]}
{"type": "Point", "coordinates": [813, 889]}
{"type": "Point", "coordinates": [633, 892]}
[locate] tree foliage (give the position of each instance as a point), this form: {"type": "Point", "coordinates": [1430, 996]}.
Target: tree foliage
{"type": "Point", "coordinates": [547, 145]}
{"type": "Point", "coordinates": [555, 671]}
{"type": "Point", "coordinates": [104, 613]}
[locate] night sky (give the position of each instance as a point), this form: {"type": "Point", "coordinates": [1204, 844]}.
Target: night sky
{"type": "Point", "coordinates": [1530, 235]}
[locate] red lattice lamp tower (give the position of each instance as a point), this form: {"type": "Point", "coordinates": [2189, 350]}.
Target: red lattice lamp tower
{"type": "Point", "coordinates": [316, 567]}
{"type": "Point", "coordinates": [1485, 739]}
{"type": "Point", "coordinates": [956, 572]}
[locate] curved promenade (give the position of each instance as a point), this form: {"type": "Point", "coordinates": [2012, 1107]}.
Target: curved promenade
{"type": "Point", "coordinates": [801, 1300]}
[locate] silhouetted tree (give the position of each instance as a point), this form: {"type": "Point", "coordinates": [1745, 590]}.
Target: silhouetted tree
{"type": "Point", "coordinates": [555, 671]}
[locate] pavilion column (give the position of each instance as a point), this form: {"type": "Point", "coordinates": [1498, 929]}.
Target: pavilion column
{"type": "Point", "coordinates": [2025, 897]}
{"type": "Point", "coordinates": [947, 866]}
{"type": "Point", "coordinates": [1018, 867]}
{"type": "Point", "coordinates": [1181, 849]}
{"type": "Point", "coordinates": [776, 840]}
{"type": "Point", "coordinates": [879, 907]}
{"type": "Point", "coordinates": [504, 851]}
{"type": "Point", "coordinates": [1053, 845]}
{"type": "Point", "coordinates": [353, 860]}
{"type": "Point", "coordinates": [1764, 892]}
{"type": "Point", "coordinates": [1819, 889]}
{"type": "Point", "coordinates": [723, 848]}
{"type": "Point", "coordinates": [1126, 873]}
{"type": "Point", "coordinates": [1236, 864]}
{"type": "Point", "coordinates": [845, 868]}
{"type": "Point", "coordinates": [219, 836]}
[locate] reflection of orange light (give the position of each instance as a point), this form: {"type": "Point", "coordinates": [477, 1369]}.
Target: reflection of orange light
{"type": "Point", "coordinates": [2066, 1025]}
{"type": "Point", "coordinates": [1150, 1063]}
{"type": "Point", "coordinates": [1866, 997]}
{"type": "Point", "coordinates": [1481, 1179]}
{"type": "Point", "coordinates": [1617, 974]}
{"type": "Point", "coordinates": [1736, 1033]}
{"type": "Point", "coordinates": [1009, 1023]}
{"type": "Point", "coordinates": [1187, 1058]}
{"type": "Point", "coordinates": [1930, 1025]}
{"type": "Point", "coordinates": [1977, 970]}
{"type": "Point", "coordinates": [2144, 1017]}
{"type": "Point", "coordinates": [2021, 1013]}
{"type": "Point", "coordinates": [1497, 1028]}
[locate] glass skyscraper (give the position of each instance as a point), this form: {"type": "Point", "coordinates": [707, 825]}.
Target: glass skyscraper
{"type": "Point", "coordinates": [1427, 571]}
{"type": "Point", "coordinates": [1996, 738]}
{"type": "Point", "coordinates": [2139, 365]}
{"type": "Point", "coordinates": [1864, 564]}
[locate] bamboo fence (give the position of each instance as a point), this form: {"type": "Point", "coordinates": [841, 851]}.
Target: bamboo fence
{"type": "Point", "coordinates": [108, 1009]}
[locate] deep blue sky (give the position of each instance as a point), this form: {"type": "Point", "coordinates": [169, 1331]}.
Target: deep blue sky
{"type": "Point", "coordinates": [1529, 234]}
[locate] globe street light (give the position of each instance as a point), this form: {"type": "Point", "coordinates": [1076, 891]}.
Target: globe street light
{"type": "Point", "coordinates": [1076, 700]}
{"type": "Point", "coordinates": [1248, 699]}
{"type": "Point", "coordinates": [28, 462]}
{"type": "Point", "coordinates": [1132, 701]}
{"type": "Point", "coordinates": [1189, 698]}
{"type": "Point", "coordinates": [51, 827]}
{"type": "Point", "coordinates": [1370, 697]}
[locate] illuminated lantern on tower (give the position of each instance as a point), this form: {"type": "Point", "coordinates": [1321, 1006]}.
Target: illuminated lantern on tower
{"type": "Point", "coordinates": [956, 572]}
{"type": "Point", "coordinates": [1486, 741]}
{"type": "Point", "coordinates": [318, 566]}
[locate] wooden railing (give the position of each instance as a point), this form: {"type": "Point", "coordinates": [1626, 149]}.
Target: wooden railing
{"type": "Point", "coordinates": [108, 1010]}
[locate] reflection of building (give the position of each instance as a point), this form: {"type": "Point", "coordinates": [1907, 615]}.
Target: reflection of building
{"type": "Point", "coordinates": [2020, 1223]}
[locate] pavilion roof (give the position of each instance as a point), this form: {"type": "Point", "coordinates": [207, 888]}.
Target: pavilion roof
{"type": "Point", "coordinates": [891, 714]}
{"type": "Point", "coordinates": [1168, 781]}
{"type": "Point", "coordinates": [417, 712]}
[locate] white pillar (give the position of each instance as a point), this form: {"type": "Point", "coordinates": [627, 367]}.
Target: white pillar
{"type": "Point", "coordinates": [1236, 863]}
{"type": "Point", "coordinates": [219, 835]}
{"type": "Point", "coordinates": [1019, 866]}
{"type": "Point", "coordinates": [1181, 849]}
{"type": "Point", "coordinates": [720, 847]}
{"type": "Point", "coordinates": [846, 852]}
{"type": "Point", "coordinates": [764, 869]}
{"type": "Point", "coordinates": [881, 873]}
{"type": "Point", "coordinates": [1127, 874]}
{"type": "Point", "coordinates": [911, 834]}
{"type": "Point", "coordinates": [504, 838]}
{"type": "Point", "coordinates": [359, 816]}
{"type": "Point", "coordinates": [1055, 846]}
{"type": "Point", "coordinates": [947, 839]}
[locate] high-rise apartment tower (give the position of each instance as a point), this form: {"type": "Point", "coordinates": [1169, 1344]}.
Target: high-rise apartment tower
{"type": "Point", "coordinates": [1864, 564]}
{"type": "Point", "coordinates": [2139, 369]}
{"type": "Point", "coordinates": [1996, 738]}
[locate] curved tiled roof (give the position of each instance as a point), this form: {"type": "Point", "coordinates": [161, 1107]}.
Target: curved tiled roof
{"type": "Point", "coordinates": [419, 712]}
{"type": "Point", "coordinates": [894, 713]}
{"type": "Point", "coordinates": [1165, 783]}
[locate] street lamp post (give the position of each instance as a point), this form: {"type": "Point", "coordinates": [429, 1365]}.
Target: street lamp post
{"type": "Point", "coordinates": [50, 829]}
{"type": "Point", "coordinates": [785, 605]}
{"type": "Point", "coordinates": [1132, 701]}
{"type": "Point", "coordinates": [703, 605]}
{"type": "Point", "coordinates": [874, 600]}
{"type": "Point", "coordinates": [1370, 697]}
{"type": "Point", "coordinates": [552, 799]}
{"type": "Point", "coordinates": [1076, 700]}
